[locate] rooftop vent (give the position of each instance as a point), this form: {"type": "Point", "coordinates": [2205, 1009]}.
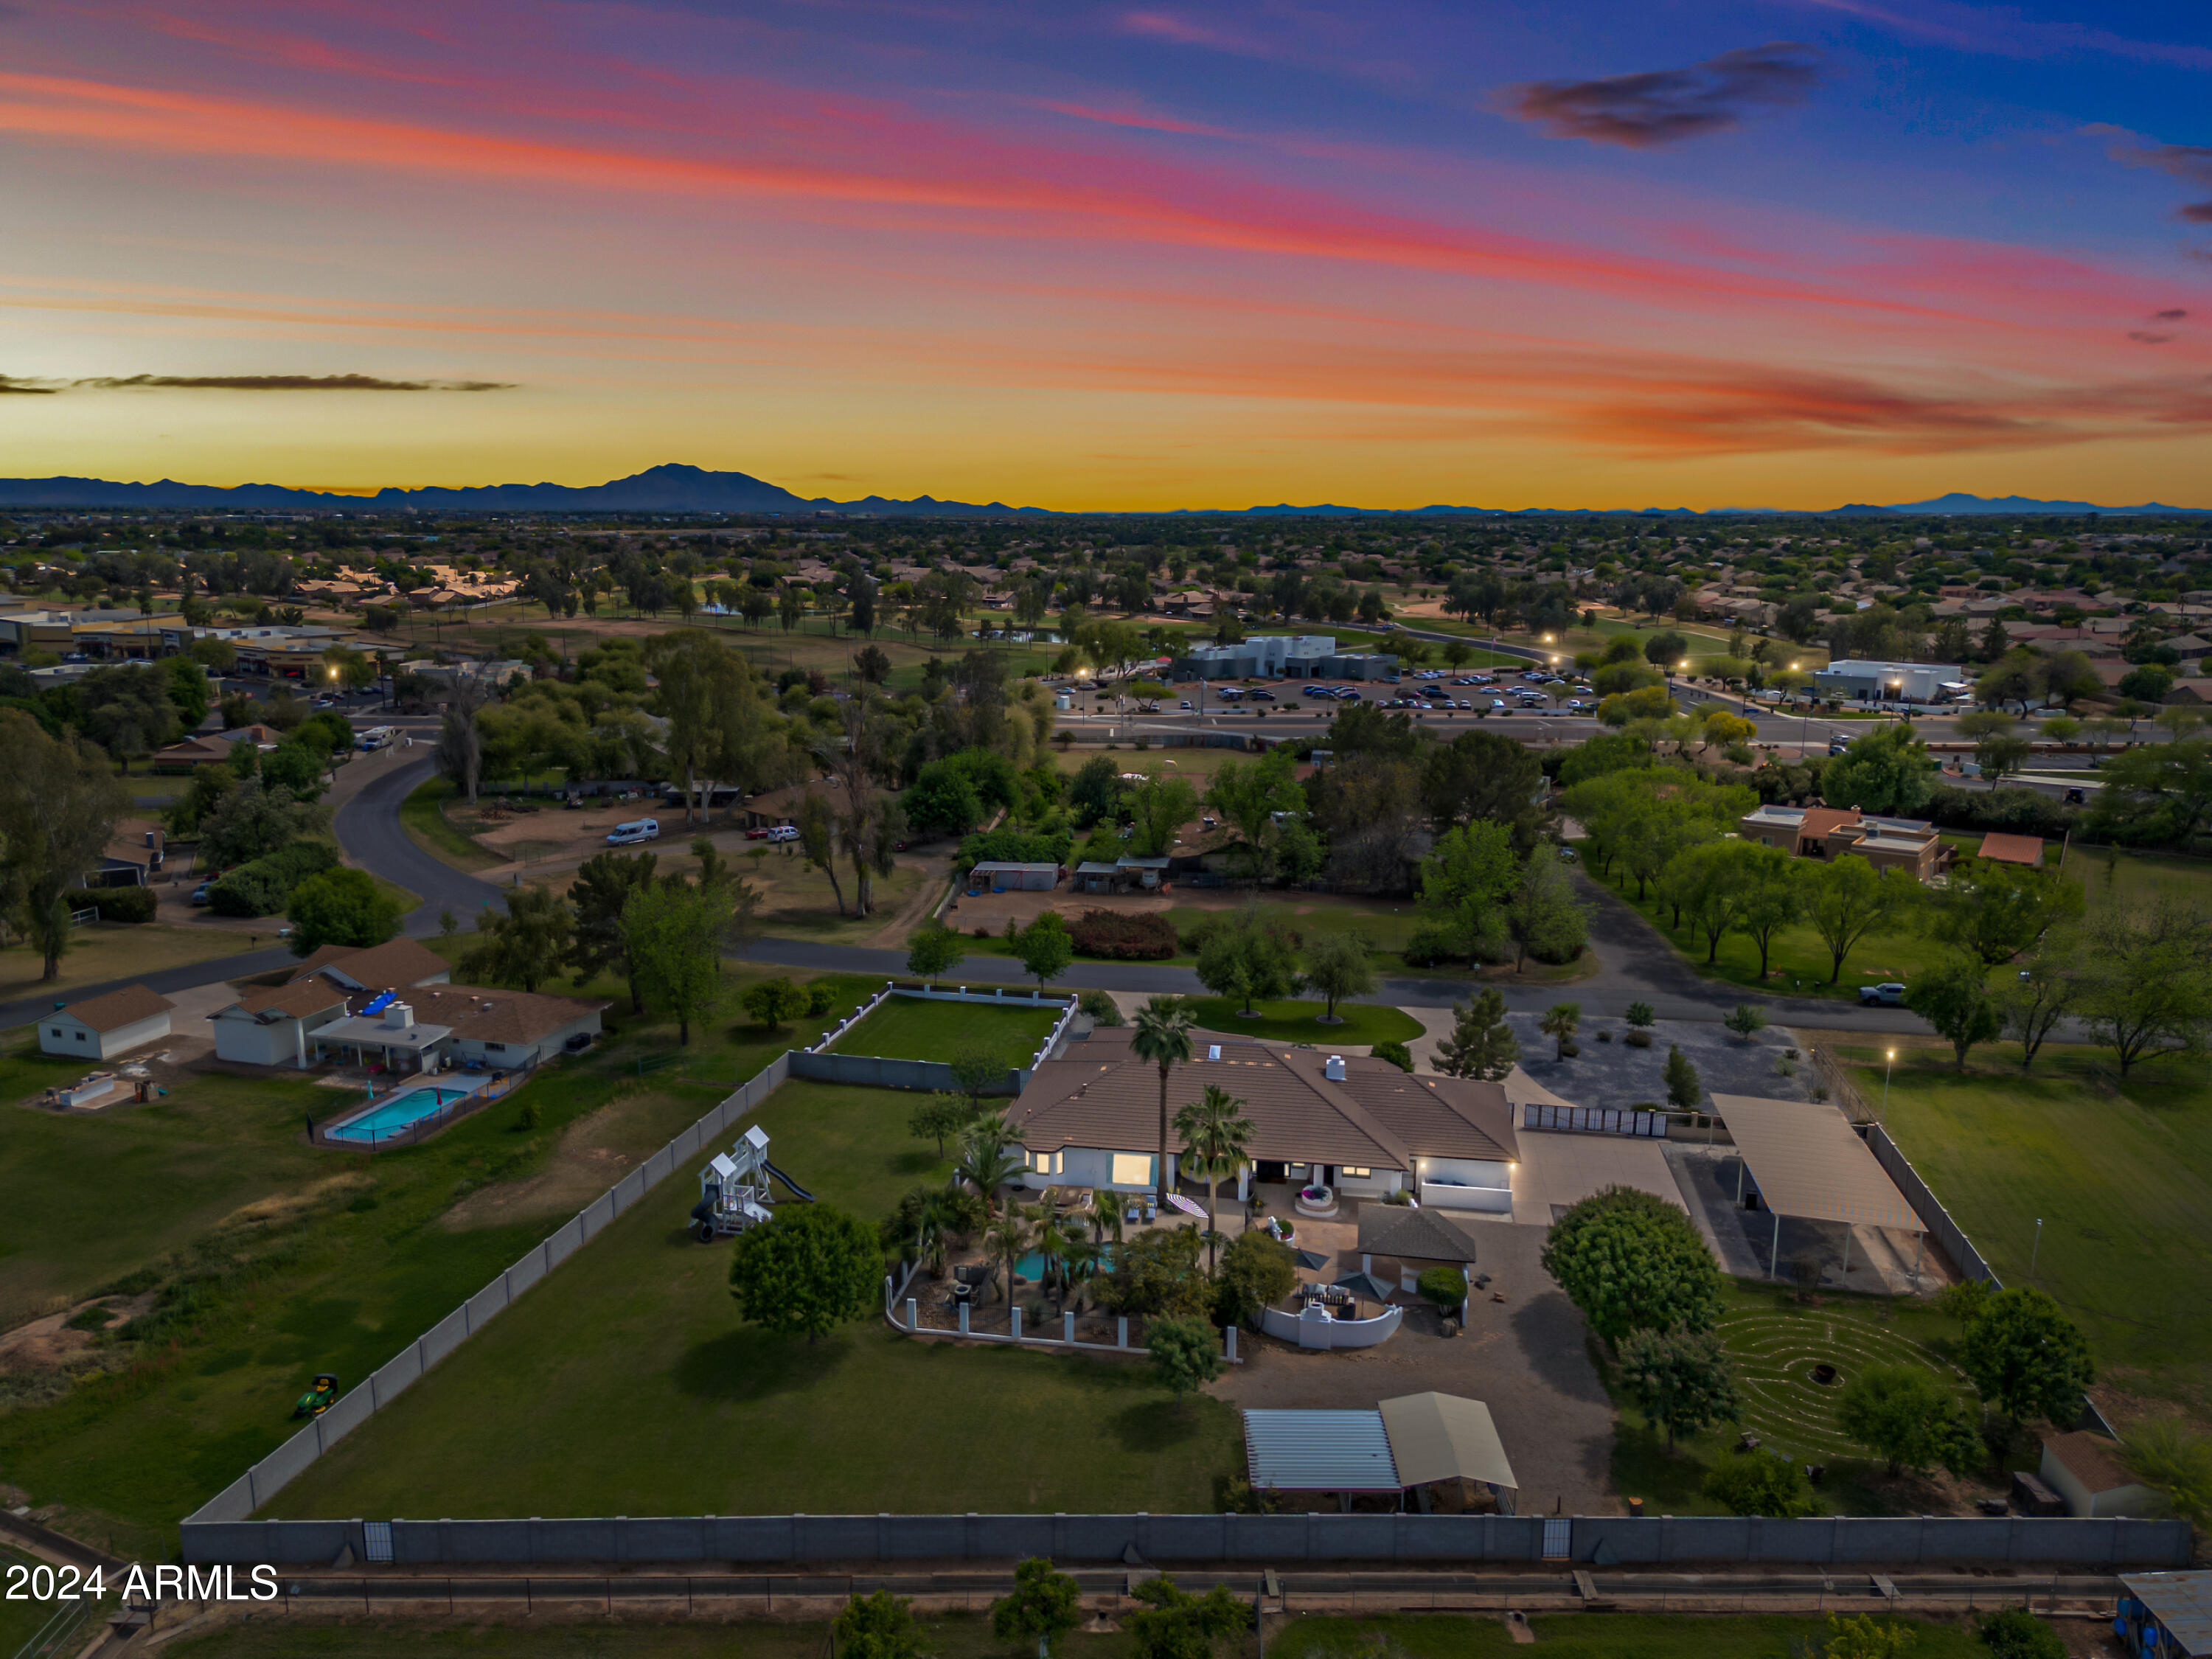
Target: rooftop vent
{"type": "Point", "coordinates": [1334, 1070]}
{"type": "Point", "coordinates": [399, 1014]}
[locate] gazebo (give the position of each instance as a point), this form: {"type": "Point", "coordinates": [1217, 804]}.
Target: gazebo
{"type": "Point", "coordinates": [1807, 1162]}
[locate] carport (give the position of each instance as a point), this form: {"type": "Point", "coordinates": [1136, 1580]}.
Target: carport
{"type": "Point", "coordinates": [1808, 1163]}
{"type": "Point", "coordinates": [1410, 1443]}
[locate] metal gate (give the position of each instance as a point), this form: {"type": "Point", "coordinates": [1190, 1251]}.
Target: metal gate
{"type": "Point", "coordinates": [1558, 1538]}
{"type": "Point", "coordinates": [376, 1541]}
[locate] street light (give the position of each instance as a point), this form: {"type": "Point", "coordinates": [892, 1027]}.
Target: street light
{"type": "Point", "coordinates": [1888, 1063]}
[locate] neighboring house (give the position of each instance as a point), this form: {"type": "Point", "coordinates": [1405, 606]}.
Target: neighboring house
{"type": "Point", "coordinates": [131, 857]}
{"type": "Point", "coordinates": [436, 1026]}
{"type": "Point", "coordinates": [2012, 849]}
{"type": "Point", "coordinates": [275, 1024]}
{"type": "Point", "coordinates": [2084, 1469]}
{"type": "Point", "coordinates": [1829, 832]}
{"type": "Point", "coordinates": [101, 1028]}
{"type": "Point", "coordinates": [214, 748]}
{"type": "Point", "coordinates": [395, 965]}
{"type": "Point", "coordinates": [1348, 1121]}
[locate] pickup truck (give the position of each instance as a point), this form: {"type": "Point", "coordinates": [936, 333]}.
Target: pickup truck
{"type": "Point", "coordinates": [1881, 996]}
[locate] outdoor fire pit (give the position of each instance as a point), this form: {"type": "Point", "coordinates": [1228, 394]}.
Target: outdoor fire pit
{"type": "Point", "coordinates": [1825, 1375]}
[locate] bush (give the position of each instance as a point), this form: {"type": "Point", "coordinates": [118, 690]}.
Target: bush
{"type": "Point", "coordinates": [263, 887]}
{"type": "Point", "coordinates": [1011, 846]}
{"type": "Point", "coordinates": [1196, 934]}
{"type": "Point", "coordinates": [820, 997]}
{"type": "Point", "coordinates": [1432, 946]}
{"type": "Point", "coordinates": [1757, 1483]}
{"type": "Point", "coordinates": [1256, 1270]}
{"type": "Point", "coordinates": [1397, 1053]}
{"type": "Point", "coordinates": [1445, 1286]}
{"type": "Point", "coordinates": [1637, 1037]}
{"type": "Point", "coordinates": [2016, 1633]}
{"type": "Point", "coordinates": [1147, 937]}
{"type": "Point", "coordinates": [2016, 811]}
{"type": "Point", "coordinates": [1101, 1007]}
{"type": "Point", "coordinates": [113, 903]}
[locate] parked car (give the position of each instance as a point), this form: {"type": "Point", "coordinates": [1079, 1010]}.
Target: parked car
{"type": "Point", "coordinates": [1890, 995]}
{"type": "Point", "coordinates": [201, 892]}
{"type": "Point", "coordinates": [1185, 704]}
{"type": "Point", "coordinates": [784, 832]}
{"type": "Point", "coordinates": [1261, 696]}
{"type": "Point", "coordinates": [1837, 743]}
{"type": "Point", "coordinates": [760, 834]}
{"type": "Point", "coordinates": [1497, 705]}
{"type": "Point", "coordinates": [636, 831]}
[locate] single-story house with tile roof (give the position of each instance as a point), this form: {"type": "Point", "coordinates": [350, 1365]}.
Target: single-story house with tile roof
{"type": "Point", "coordinates": [214, 748]}
{"type": "Point", "coordinates": [508, 1029]}
{"type": "Point", "coordinates": [2084, 1469]}
{"type": "Point", "coordinates": [275, 1024]}
{"type": "Point", "coordinates": [100, 1028]}
{"type": "Point", "coordinates": [1348, 1121]}
{"type": "Point", "coordinates": [1829, 832]}
{"type": "Point", "coordinates": [397, 964]}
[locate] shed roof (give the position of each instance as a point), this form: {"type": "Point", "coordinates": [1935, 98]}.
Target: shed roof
{"type": "Point", "coordinates": [1422, 1235]}
{"type": "Point", "coordinates": [2091, 1459]}
{"type": "Point", "coordinates": [1003, 864]}
{"type": "Point", "coordinates": [2012, 849]}
{"type": "Point", "coordinates": [1809, 1161]}
{"type": "Point", "coordinates": [2181, 1602]}
{"type": "Point", "coordinates": [1442, 1436]}
{"type": "Point", "coordinates": [119, 1008]}
{"type": "Point", "coordinates": [1319, 1451]}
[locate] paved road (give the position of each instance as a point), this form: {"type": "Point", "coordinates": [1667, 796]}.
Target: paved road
{"type": "Point", "coordinates": [370, 830]}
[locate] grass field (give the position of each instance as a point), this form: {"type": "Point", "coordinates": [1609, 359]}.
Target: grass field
{"type": "Point", "coordinates": [910, 1028]}
{"type": "Point", "coordinates": [968, 1636]}
{"type": "Point", "coordinates": [314, 1260]}
{"type": "Point", "coordinates": [673, 1406]}
{"type": "Point", "coordinates": [1363, 1023]}
{"type": "Point", "coordinates": [2110, 876]}
{"type": "Point", "coordinates": [102, 950]}
{"type": "Point", "coordinates": [423, 816]}
{"type": "Point", "coordinates": [2120, 1174]}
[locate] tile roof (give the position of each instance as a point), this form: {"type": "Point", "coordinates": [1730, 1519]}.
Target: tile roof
{"type": "Point", "coordinates": [480, 1014]}
{"type": "Point", "coordinates": [296, 1000]}
{"type": "Point", "coordinates": [1421, 1235]}
{"type": "Point", "coordinates": [1102, 1096]}
{"type": "Point", "coordinates": [392, 965]}
{"type": "Point", "coordinates": [2012, 849]}
{"type": "Point", "coordinates": [119, 1008]}
{"type": "Point", "coordinates": [2091, 1459]}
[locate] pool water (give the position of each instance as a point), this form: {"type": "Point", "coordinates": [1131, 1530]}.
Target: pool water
{"type": "Point", "coordinates": [1032, 1266]}
{"type": "Point", "coordinates": [388, 1117]}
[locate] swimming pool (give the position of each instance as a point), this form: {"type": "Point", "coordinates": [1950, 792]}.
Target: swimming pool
{"type": "Point", "coordinates": [388, 1117]}
{"type": "Point", "coordinates": [1032, 1266]}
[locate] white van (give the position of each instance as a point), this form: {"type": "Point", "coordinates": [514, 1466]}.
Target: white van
{"type": "Point", "coordinates": [638, 829]}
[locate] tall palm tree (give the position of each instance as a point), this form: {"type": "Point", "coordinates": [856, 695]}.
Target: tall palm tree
{"type": "Point", "coordinates": [987, 1163]}
{"type": "Point", "coordinates": [1105, 1215]}
{"type": "Point", "coordinates": [1054, 1244]}
{"type": "Point", "coordinates": [1007, 1238]}
{"type": "Point", "coordinates": [1216, 1134]}
{"type": "Point", "coordinates": [1163, 1037]}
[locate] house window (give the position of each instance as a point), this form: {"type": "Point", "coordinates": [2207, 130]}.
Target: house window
{"type": "Point", "coordinates": [1133, 1169]}
{"type": "Point", "coordinates": [1353, 1172]}
{"type": "Point", "coordinates": [1045, 1163]}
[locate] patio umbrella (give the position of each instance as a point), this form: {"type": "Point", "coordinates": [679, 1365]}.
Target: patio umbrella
{"type": "Point", "coordinates": [1367, 1284]}
{"type": "Point", "coordinates": [1312, 1259]}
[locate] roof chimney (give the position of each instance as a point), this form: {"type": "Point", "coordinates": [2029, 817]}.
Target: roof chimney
{"type": "Point", "coordinates": [1334, 1070]}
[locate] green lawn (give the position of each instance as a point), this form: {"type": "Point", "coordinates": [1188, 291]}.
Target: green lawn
{"type": "Point", "coordinates": [103, 950]}
{"type": "Point", "coordinates": [911, 1028]}
{"type": "Point", "coordinates": [336, 1261]}
{"type": "Point", "coordinates": [672, 1407]}
{"type": "Point", "coordinates": [422, 813]}
{"type": "Point", "coordinates": [1362, 1023]}
{"type": "Point", "coordinates": [1798, 964]}
{"type": "Point", "coordinates": [2110, 876]}
{"type": "Point", "coordinates": [2119, 1172]}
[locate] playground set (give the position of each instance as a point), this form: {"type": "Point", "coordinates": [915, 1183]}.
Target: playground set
{"type": "Point", "coordinates": [733, 1188]}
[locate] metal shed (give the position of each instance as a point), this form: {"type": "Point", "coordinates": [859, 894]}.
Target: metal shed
{"type": "Point", "coordinates": [1319, 1451]}
{"type": "Point", "coordinates": [2166, 1615]}
{"type": "Point", "coordinates": [1016, 877]}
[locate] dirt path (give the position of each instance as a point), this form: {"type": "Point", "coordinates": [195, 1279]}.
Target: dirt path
{"type": "Point", "coordinates": [911, 914]}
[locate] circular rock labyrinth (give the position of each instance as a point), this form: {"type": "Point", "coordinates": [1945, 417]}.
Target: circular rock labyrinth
{"type": "Point", "coordinates": [1773, 1356]}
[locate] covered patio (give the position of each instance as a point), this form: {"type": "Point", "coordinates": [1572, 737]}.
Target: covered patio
{"type": "Point", "coordinates": [1804, 1161]}
{"type": "Point", "coordinates": [1439, 1450]}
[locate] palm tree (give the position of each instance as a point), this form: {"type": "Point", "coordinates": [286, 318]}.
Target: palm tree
{"type": "Point", "coordinates": [1105, 1215]}
{"type": "Point", "coordinates": [987, 1164]}
{"type": "Point", "coordinates": [1054, 1244]}
{"type": "Point", "coordinates": [1163, 1037]}
{"type": "Point", "coordinates": [1007, 1238]}
{"type": "Point", "coordinates": [1215, 1135]}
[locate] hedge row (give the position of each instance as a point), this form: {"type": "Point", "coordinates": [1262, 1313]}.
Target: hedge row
{"type": "Point", "coordinates": [263, 887]}
{"type": "Point", "coordinates": [1149, 936]}
{"type": "Point", "coordinates": [113, 903]}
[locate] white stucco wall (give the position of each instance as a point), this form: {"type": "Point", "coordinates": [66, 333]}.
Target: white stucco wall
{"type": "Point", "coordinates": [249, 1042]}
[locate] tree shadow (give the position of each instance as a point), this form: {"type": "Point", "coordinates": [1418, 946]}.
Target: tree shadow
{"type": "Point", "coordinates": [752, 1363]}
{"type": "Point", "coordinates": [1155, 1425]}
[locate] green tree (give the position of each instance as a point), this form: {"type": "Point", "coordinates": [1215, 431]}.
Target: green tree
{"type": "Point", "coordinates": [1248, 795]}
{"type": "Point", "coordinates": [937, 1118]}
{"type": "Point", "coordinates": [807, 1271]}
{"type": "Point", "coordinates": [1560, 1022]}
{"type": "Point", "coordinates": [934, 951]}
{"type": "Point", "coordinates": [253, 820]}
{"type": "Point", "coordinates": [2175, 1464]}
{"type": "Point", "coordinates": [1679, 1380]}
{"type": "Point", "coordinates": [880, 1625]}
{"type": "Point", "coordinates": [1481, 777]}
{"type": "Point", "coordinates": [58, 806]}
{"type": "Point", "coordinates": [1044, 948]}
{"type": "Point", "coordinates": [2034, 1002]}
{"type": "Point", "coordinates": [523, 947]}
{"type": "Point", "coordinates": [1337, 967]}
{"type": "Point", "coordinates": [127, 711]}
{"type": "Point", "coordinates": [1995, 910]}
{"type": "Point", "coordinates": [1162, 1039]}
{"type": "Point", "coordinates": [674, 935]}
{"type": "Point", "coordinates": [340, 907]}
{"type": "Point", "coordinates": [1257, 1271]}
{"type": "Point", "coordinates": [1216, 1137]}
{"type": "Point", "coordinates": [1757, 1483]}
{"type": "Point", "coordinates": [976, 1071]}
{"type": "Point", "coordinates": [1746, 1020]}
{"type": "Point", "coordinates": [1173, 1624]}
{"type": "Point", "coordinates": [1631, 1262]}
{"type": "Point", "coordinates": [2148, 683]}
{"type": "Point", "coordinates": [1044, 1606]}
{"type": "Point", "coordinates": [1908, 1418]}
{"type": "Point", "coordinates": [1887, 771]}
{"type": "Point", "coordinates": [604, 884]}
{"type": "Point", "coordinates": [2027, 1359]}
{"type": "Point", "coordinates": [1864, 1637]}
{"type": "Point", "coordinates": [1768, 894]}
{"type": "Point", "coordinates": [1954, 998]}
{"type": "Point", "coordinates": [1481, 1044]}
{"type": "Point", "coordinates": [2016, 1633]}
{"type": "Point", "coordinates": [1158, 809]}
{"type": "Point", "coordinates": [1684, 1087]}
{"type": "Point", "coordinates": [1999, 755]}
{"type": "Point", "coordinates": [1543, 916]}
{"type": "Point", "coordinates": [2159, 792]}
{"type": "Point", "coordinates": [1186, 1353]}
{"type": "Point", "coordinates": [1847, 898]}
{"type": "Point", "coordinates": [772, 1002]}
{"type": "Point", "coordinates": [2145, 981]}
{"type": "Point", "coordinates": [185, 684]}
{"type": "Point", "coordinates": [1157, 1272]}
{"type": "Point", "coordinates": [1248, 960]}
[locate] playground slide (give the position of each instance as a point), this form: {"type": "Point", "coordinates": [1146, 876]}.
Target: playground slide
{"type": "Point", "coordinates": [798, 1191]}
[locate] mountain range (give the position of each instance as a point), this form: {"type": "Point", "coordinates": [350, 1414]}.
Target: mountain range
{"type": "Point", "coordinates": [677, 489]}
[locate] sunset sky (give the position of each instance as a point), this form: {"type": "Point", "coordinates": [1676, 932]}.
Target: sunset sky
{"type": "Point", "coordinates": [1117, 255]}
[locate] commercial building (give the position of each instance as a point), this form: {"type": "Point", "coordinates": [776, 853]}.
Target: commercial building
{"type": "Point", "coordinates": [1863, 681]}
{"type": "Point", "coordinates": [1280, 656]}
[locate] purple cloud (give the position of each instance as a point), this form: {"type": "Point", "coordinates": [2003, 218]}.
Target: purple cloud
{"type": "Point", "coordinates": [1666, 106]}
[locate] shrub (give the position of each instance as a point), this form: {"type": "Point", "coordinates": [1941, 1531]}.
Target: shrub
{"type": "Point", "coordinates": [1101, 1007]}
{"type": "Point", "coordinates": [1011, 846]}
{"type": "Point", "coordinates": [1757, 1483]}
{"type": "Point", "coordinates": [1445, 1286]}
{"type": "Point", "coordinates": [1196, 934]}
{"type": "Point", "coordinates": [113, 903]}
{"type": "Point", "coordinates": [1641, 1014]}
{"type": "Point", "coordinates": [820, 997]}
{"type": "Point", "coordinates": [1256, 1270]}
{"type": "Point", "coordinates": [1397, 1053]}
{"type": "Point", "coordinates": [1432, 946]}
{"type": "Point", "coordinates": [2016, 1633]}
{"type": "Point", "coordinates": [1637, 1037]}
{"type": "Point", "coordinates": [1147, 937]}
{"type": "Point", "coordinates": [532, 1117]}
{"type": "Point", "coordinates": [263, 886]}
